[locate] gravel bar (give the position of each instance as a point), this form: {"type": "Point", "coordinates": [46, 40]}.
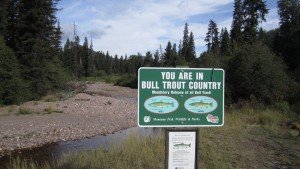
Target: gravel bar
{"type": "Point", "coordinates": [100, 109]}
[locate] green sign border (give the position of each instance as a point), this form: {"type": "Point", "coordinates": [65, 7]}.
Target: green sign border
{"type": "Point", "coordinates": [166, 68]}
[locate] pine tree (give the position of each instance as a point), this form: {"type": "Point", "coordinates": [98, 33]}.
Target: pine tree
{"type": "Point", "coordinates": [12, 29]}
{"type": "Point", "coordinates": [212, 37]}
{"type": "Point", "coordinates": [57, 38]}
{"type": "Point", "coordinates": [289, 13]}
{"type": "Point", "coordinates": [237, 22]}
{"type": "Point", "coordinates": [191, 49]}
{"type": "Point", "coordinates": [67, 57]}
{"type": "Point", "coordinates": [148, 59]}
{"type": "Point", "coordinates": [31, 35]}
{"type": "Point", "coordinates": [185, 43]}
{"type": "Point", "coordinates": [225, 42]}
{"type": "Point", "coordinates": [4, 17]}
{"type": "Point", "coordinates": [254, 12]}
{"type": "Point", "coordinates": [135, 62]}
{"type": "Point", "coordinates": [208, 37]}
{"type": "Point", "coordinates": [215, 40]}
{"type": "Point", "coordinates": [122, 65]}
{"type": "Point", "coordinates": [57, 46]}
{"type": "Point", "coordinates": [161, 54]}
{"type": "Point", "coordinates": [108, 63]}
{"type": "Point", "coordinates": [129, 65]}
{"type": "Point", "coordinates": [156, 59]}
{"type": "Point", "coordinates": [115, 64]}
{"type": "Point", "coordinates": [221, 34]}
{"type": "Point", "coordinates": [168, 55]}
{"type": "Point", "coordinates": [289, 33]}
{"type": "Point", "coordinates": [180, 60]}
{"type": "Point", "coordinates": [91, 60]}
{"type": "Point", "coordinates": [174, 49]}
{"type": "Point", "coordinates": [98, 61]}
{"type": "Point", "coordinates": [85, 56]}
{"type": "Point", "coordinates": [77, 60]}
{"type": "Point", "coordinates": [12, 88]}
{"type": "Point", "coordinates": [174, 58]}
{"type": "Point", "coordinates": [180, 48]}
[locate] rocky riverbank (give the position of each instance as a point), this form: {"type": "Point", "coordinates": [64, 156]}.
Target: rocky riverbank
{"type": "Point", "coordinates": [97, 109]}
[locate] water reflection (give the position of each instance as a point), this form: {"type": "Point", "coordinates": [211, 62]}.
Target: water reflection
{"type": "Point", "coordinates": [52, 152]}
{"type": "Point", "coordinates": [105, 141]}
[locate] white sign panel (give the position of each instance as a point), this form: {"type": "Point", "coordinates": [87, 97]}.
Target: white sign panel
{"type": "Point", "coordinates": [182, 150]}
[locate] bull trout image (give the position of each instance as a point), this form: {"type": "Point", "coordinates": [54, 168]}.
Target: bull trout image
{"type": "Point", "coordinates": [201, 104]}
{"type": "Point", "coordinates": [161, 104]}
{"type": "Point", "coordinates": [182, 145]}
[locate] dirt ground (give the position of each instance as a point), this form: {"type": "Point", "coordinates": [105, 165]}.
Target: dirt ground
{"type": "Point", "coordinates": [97, 109]}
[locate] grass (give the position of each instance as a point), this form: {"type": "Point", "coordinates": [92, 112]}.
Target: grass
{"type": "Point", "coordinates": [25, 111]}
{"type": "Point", "coordinates": [134, 152]}
{"type": "Point", "coordinates": [50, 110]}
{"type": "Point", "coordinates": [51, 98]}
{"type": "Point", "coordinates": [250, 138]}
{"type": "Point", "coordinates": [55, 97]}
{"type": "Point", "coordinates": [8, 110]}
{"type": "Point", "coordinates": [26, 164]}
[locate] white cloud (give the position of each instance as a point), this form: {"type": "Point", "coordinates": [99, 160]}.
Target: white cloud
{"type": "Point", "coordinates": [132, 26]}
{"type": "Point", "coordinates": [272, 20]}
{"type": "Point", "coordinates": [68, 31]}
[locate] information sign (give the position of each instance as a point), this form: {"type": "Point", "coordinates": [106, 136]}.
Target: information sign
{"type": "Point", "coordinates": [182, 150]}
{"type": "Point", "coordinates": [180, 97]}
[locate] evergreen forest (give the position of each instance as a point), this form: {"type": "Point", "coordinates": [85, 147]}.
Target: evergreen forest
{"type": "Point", "coordinates": [259, 64]}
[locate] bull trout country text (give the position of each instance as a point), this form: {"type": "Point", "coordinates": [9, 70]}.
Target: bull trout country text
{"type": "Point", "coordinates": [169, 82]}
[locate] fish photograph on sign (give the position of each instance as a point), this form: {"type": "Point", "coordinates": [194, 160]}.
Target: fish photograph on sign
{"type": "Point", "coordinates": [161, 104]}
{"type": "Point", "coordinates": [201, 104]}
{"type": "Point", "coordinates": [182, 145]}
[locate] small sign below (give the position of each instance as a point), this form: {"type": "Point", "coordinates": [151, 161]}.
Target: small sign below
{"type": "Point", "coordinates": [182, 150]}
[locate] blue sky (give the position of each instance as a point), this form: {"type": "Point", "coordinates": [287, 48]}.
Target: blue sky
{"type": "Point", "coordinates": [131, 26]}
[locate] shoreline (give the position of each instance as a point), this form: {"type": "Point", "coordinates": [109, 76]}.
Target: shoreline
{"type": "Point", "coordinates": [107, 110]}
{"type": "Point", "coordinates": [46, 144]}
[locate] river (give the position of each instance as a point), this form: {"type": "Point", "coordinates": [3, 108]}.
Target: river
{"type": "Point", "coordinates": [52, 152]}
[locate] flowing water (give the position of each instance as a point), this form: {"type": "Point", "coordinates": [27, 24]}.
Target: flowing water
{"type": "Point", "coordinates": [50, 153]}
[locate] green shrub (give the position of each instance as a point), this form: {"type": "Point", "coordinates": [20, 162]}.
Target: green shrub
{"type": "Point", "coordinates": [211, 60]}
{"type": "Point", "coordinates": [294, 96]}
{"type": "Point", "coordinates": [128, 81]}
{"type": "Point", "coordinates": [257, 71]}
{"type": "Point", "coordinates": [282, 106]}
{"type": "Point", "coordinates": [113, 78]}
